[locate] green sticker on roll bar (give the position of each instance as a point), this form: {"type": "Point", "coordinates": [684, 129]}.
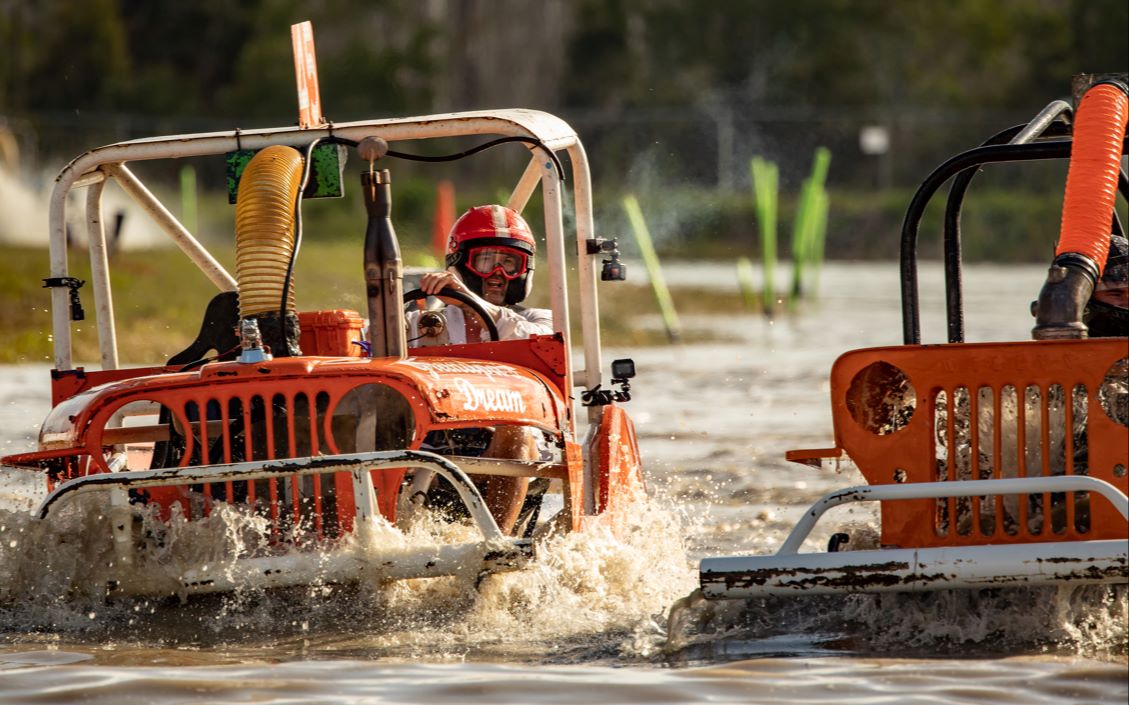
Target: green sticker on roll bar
{"type": "Point", "coordinates": [326, 171]}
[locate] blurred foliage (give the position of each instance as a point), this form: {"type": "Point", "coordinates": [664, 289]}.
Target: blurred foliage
{"type": "Point", "coordinates": [998, 224]}
{"type": "Point", "coordinates": [841, 52]}
{"type": "Point", "coordinates": [209, 57]}
{"type": "Point", "coordinates": [672, 98]}
{"type": "Point", "coordinates": [232, 59]}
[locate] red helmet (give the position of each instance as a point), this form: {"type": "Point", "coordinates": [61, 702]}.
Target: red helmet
{"type": "Point", "coordinates": [493, 238]}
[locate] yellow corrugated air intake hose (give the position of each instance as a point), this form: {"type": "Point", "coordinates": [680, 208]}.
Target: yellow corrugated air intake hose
{"type": "Point", "coordinates": [264, 229]}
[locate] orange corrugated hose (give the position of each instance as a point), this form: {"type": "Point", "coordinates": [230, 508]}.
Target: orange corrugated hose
{"type": "Point", "coordinates": [264, 228]}
{"type": "Point", "coordinates": [1091, 182]}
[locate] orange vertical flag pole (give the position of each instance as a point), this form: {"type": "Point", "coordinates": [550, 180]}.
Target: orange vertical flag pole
{"type": "Point", "coordinates": [306, 74]}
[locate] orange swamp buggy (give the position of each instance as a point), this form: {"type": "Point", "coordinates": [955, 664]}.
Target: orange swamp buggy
{"type": "Point", "coordinates": [307, 426]}
{"type": "Point", "coordinates": [995, 464]}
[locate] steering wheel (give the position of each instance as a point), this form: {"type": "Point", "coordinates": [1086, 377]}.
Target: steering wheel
{"type": "Point", "coordinates": [449, 293]}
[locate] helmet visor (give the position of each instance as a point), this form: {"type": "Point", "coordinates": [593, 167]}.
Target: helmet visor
{"type": "Point", "coordinates": [510, 262]}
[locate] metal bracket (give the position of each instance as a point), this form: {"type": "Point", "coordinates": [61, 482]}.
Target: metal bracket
{"type": "Point", "coordinates": [599, 245]}
{"type": "Point", "coordinates": [602, 397]}
{"type": "Point", "coordinates": [614, 270]}
{"type": "Point", "coordinates": [79, 372]}
{"type": "Point", "coordinates": [77, 314]}
{"type": "Point", "coordinates": [622, 371]}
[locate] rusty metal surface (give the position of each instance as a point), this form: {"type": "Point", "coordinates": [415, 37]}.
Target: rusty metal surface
{"type": "Point", "coordinates": [894, 570]}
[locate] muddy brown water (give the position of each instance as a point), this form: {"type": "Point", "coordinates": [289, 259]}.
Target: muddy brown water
{"type": "Point", "coordinates": [598, 619]}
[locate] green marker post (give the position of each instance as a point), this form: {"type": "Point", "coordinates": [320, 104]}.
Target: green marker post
{"type": "Point", "coordinates": [810, 225]}
{"type": "Point", "coordinates": [654, 269]}
{"type": "Point", "coordinates": [746, 283]}
{"type": "Point", "coordinates": [765, 191]}
{"type": "Point", "coordinates": [188, 198]}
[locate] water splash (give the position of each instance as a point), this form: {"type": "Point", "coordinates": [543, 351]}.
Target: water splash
{"type": "Point", "coordinates": [586, 594]}
{"type": "Point", "coordinates": [1089, 620]}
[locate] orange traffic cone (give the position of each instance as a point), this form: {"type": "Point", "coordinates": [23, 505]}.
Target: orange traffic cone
{"type": "Point", "coordinates": [444, 217]}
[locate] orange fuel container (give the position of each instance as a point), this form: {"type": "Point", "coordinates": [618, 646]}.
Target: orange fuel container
{"type": "Point", "coordinates": [331, 333]}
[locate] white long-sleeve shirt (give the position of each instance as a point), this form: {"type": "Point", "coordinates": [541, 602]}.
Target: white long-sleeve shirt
{"type": "Point", "coordinates": [513, 324]}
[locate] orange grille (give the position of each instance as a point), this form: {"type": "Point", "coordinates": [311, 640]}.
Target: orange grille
{"type": "Point", "coordinates": [987, 411]}
{"type": "Point", "coordinates": [258, 428]}
{"type": "Point", "coordinates": [256, 420]}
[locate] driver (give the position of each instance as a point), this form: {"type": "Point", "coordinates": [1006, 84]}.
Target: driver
{"type": "Point", "coordinates": [1107, 312]}
{"type": "Point", "coordinates": [490, 258]}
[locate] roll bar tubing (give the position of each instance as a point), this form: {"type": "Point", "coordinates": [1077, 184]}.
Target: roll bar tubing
{"type": "Point", "coordinates": [1042, 125]}
{"type": "Point", "coordinates": [95, 166]}
{"type": "Point", "coordinates": [970, 160]}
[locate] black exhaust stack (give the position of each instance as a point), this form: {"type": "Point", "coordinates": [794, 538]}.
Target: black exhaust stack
{"type": "Point", "coordinates": [384, 269]}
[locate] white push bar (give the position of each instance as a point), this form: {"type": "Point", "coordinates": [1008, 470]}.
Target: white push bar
{"type": "Point", "coordinates": [260, 470]}
{"type": "Point", "coordinates": [911, 569]}
{"type": "Point", "coordinates": [366, 563]}
{"type": "Point", "coordinates": [963, 488]}
{"type": "Point", "coordinates": [900, 569]}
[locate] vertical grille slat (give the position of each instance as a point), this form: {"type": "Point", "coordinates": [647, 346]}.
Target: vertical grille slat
{"type": "Point", "coordinates": [225, 432]}
{"type": "Point", "coordinates": [314, 415]}
{"type": "Point", "coordinates": [272, 483]}
{"type": "Point", "coordinates": [249, 427]}
{"type": "Point", "coordinates": [998, 455]}
{"type": "Point", "coordinates": [291, 489]}
{"type": "Point", "coordinates": [1045, 448]}
{"type": "Point", "coordinates": [205, 451]}
{"type": "Point", "coordinates": [1021, 456]}
{"type": "Point", "coordinates": [1081, 456]}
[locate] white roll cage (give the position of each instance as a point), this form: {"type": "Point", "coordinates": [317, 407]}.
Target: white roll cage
{"type": "Point", "coordinates": [91, 169]}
